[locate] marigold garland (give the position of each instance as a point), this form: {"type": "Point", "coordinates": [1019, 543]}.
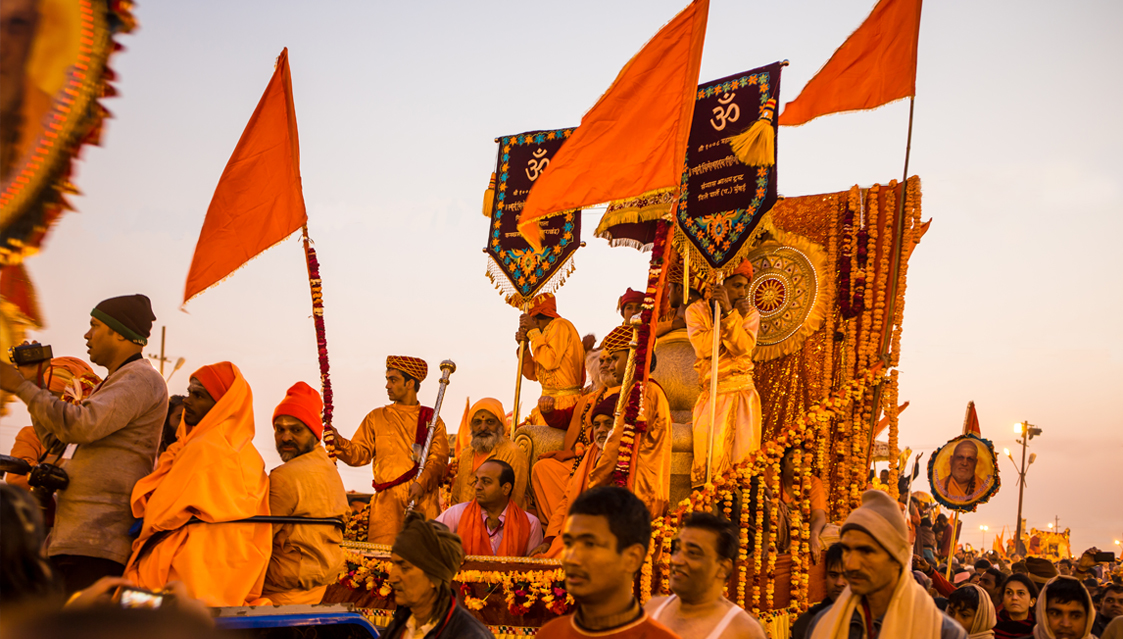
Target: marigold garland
{"type": "Point", "coordinates": [321, 341]}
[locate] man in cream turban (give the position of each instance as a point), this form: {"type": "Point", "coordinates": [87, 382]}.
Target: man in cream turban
{"type": "Point", "coordinates": [882, 599]}
{"type": "Point", "coordinates": [423, 561]}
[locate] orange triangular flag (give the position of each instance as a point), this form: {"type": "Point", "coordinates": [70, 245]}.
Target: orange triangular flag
{"type": "Point", "coordinates": [876, 65]}
{"type": "Point", "coordinates": [258, 201]}
{"type": "Point", "coordinates": [971, 421]}
{"type": "Point", "coordinates": [634, 138]}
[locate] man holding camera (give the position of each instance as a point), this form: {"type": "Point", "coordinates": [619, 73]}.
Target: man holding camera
{"type": "Point", "coordinates": [116, 430]}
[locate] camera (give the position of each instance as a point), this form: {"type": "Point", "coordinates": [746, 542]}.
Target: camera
{"type": "Point", "coordinates": [48, 477]}
{"type": "Point", "coordinates": [138, 598]}
{"type": "Point", "coordinates": [29, 354]}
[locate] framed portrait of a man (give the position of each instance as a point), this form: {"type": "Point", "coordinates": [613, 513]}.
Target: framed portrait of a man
{"type": "Point", "coordinates": [963, 473]}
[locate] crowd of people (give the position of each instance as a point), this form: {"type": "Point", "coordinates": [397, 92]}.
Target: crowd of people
{"type": "Point", "coordinates": [156, 488]}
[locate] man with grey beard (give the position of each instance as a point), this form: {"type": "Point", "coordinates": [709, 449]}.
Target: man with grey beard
{"type": "Point", "coordinates": [489, 441]}
{"type": "Point", "coordinates": [306, 557]}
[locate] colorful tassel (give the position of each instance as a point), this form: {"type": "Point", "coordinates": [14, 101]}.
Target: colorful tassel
{"type": "Point", "coordinates": [757, 145]}
{"type": "Point", "coordinates": [489, 198]}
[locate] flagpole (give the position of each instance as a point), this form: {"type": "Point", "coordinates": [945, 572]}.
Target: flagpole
{"type": "Point", "coordinates": [316, 285]}
{"type": "Point", "coordinates": [715, 346]}
{"type": "Point", "coordinates": [523, 345]}
{"type": "Point", "coordinates": [898, 238]}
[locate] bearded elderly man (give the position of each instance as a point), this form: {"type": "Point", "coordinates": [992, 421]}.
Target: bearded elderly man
{"type": "Point", "coordinates": [306, 557]}
{"type": "Point", "coordinates": [883, 599]}
{"type": "Point", "coordinates": [423, 561]}
{"type": "Point", "coordinates": [484, 420]}
{"type": "Point", "coordinates": [206, 483]}
{"type": "Point", "coordinates": [393, 437]}
{"type": "Point", "coordinates": [492, 523]}
{"type": "Point", "coordinates": [737, 420]}
{"type": "Point", "coordinates": [702, 557]}
{"type": "Point", "coordinates": [117, 430]}
{"type": "Point", "coordinates": [556, 357]}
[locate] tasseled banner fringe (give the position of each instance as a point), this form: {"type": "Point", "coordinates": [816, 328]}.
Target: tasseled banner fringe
{"type": "Point", "coordinates": [757, 145]}
{"type": "Point", "coordinates": [489, 198]}
{"type": "Point", "coordinates": [511, 294]}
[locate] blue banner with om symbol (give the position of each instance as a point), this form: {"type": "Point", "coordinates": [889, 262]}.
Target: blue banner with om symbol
{"type": "Point", "coordinates": [721, 200]}
{"type": "Point", "coordinates": [518, 271]}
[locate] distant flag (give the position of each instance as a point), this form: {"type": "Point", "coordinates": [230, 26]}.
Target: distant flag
{"type": "Point", "coordinates": [258, 201]}
{"type": "Point", "coordinates": [876, 65]}
{"type": "Point", "coordinates": [971, 421]}
{"type": "Point", "coordinates": [634, 139]}
{"type": "Point", "coordinates": [999, 546]}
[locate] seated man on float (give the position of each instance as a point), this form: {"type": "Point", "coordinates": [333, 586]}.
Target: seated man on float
{"type": "Point", "coordinates": [492, 523]}
{"type": "Point", "coordinates": [789, 489]}
{"type": "Point", "coordinates": [578, 482]}
{"type": "Point", "coordinates": [555, 357]}
{"type": "Point", "coordinates": [702, 558]}
{"type": "Point", "coordinates": [649, 469]}
{"type": "Point", "coordinates": [488, 440]}
{"type": "Point", "coordinates": [306, 557]}
{"type": "Point", "coordinates": [208, 480]}
{"type": "Point", "coordinates": [554, 469]}
{"type": "Point", "coordinates": [675, 319]}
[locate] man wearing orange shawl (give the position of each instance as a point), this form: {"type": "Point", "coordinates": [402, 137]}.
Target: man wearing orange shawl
{"type": "Point", "coordinates": [488, 440]}
{"type": "Point", "coordinates": [492, 523]}
{"type": "Point", "coordinates": [738, 403]}
{"type": "Point", "coordinates": [649, 473]}
{"type": "Point", "coordinates": [556, 358]}
{"type": "Point", "coordinates": [209, 479]}
{"type": "Point", "coordinates": [392, 437]}
{"type": "Point", "coordinates": [553, 470]}
{"type": "Point", "coordinates": [601, 416]}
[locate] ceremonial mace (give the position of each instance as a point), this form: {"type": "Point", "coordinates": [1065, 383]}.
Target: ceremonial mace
{"type": "Point", "coordinates": [448, 367]}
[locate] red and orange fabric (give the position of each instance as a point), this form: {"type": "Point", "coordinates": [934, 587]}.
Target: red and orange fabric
{"type": "Point", "coordinates": [545, 304]}
{"type": "Point", "coordinates": [556, 359]}
{"type": "Point", "coordinates": [875, 66]}
{"type": "Point", "coordinates": [216, 475]}
{"type": "Point", "coordinates": [258, 201]}
{"type": "Point", "coordinates": [474, 537]}
{"type": "Point", "coordinates": [618, 339]}
{"type": "Point", "coordinates": [415, 367]}
{"type": "Point", "coordinates": [28, 448]}
{"type": "Point", "coordinates": [634, 138]}
{"type": "Point", "coordinates": [629, 297]}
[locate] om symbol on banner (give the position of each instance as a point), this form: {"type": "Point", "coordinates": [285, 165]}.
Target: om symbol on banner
{"type": "Point", "coordinates": [725, 112]}
{"type": "Point", "coordinates": [537, 164]}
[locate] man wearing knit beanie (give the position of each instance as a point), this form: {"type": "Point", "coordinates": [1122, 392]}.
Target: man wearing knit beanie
{"type": "Point", "coordinates": [117, 432]}
{"type": "Point", "coordinates": [423, 561]}
{"type": "Point", "coordinates": [882, 599]}
{"type": "Point", "coordinates": [306, 557]}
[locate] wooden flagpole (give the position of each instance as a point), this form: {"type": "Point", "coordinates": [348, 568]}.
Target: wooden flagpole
{"type": "Point", "coordinates": [523, 345]}
{"type": "Point", "coordinates": [898, 240]}
{"type": "Point", "coordinates": [715, 348]}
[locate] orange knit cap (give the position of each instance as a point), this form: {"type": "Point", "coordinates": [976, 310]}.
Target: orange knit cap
{"type": "Point", "coordinates": [216, 378]}
{"type": "Point", "coordinates": [304, 403]}
{"type": "Point", "coordinates": [744, 268]}
{"type": "Point", "coordinates": [545, 305]}
{"type": "Point", "coordinates": [415, 367]}
{"type": "Point", "coordinates": [617, 340]}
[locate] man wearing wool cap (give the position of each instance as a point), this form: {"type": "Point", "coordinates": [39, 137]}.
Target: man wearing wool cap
{"type": "Point", "coordinates": [423, 561]}
{"type": "Point", "coordinates": [306, 557]}
{"type": "Point", "coordinates": [882, 599]}
{"type": "Point", "coordinates": [117, 430]}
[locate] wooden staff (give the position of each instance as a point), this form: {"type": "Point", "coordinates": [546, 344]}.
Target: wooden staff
{"type": "Point", "coordinates": [715, 347]}
{"type": "Point", "coordinates": [954, 541]}
{"type": "Point", "coordinates": [519, 379]}
{"type": "Point", "coordinates": [447, 369]}
{"type": "Point", "coordinates": [625, 384]}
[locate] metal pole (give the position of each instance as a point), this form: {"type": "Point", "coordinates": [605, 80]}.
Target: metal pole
{"type": "Point", "coordinates": [715, 347]}
{"type": "Point", "coordinates": [1021, 488]}
{"type": "Point", "coordinates": [447, 369]}
{"type": "Point", "coordinates": [898, 237]}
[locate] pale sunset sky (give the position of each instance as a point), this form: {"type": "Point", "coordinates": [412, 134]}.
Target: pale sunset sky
{"type": "Point", "coordinates": [1015, 294]}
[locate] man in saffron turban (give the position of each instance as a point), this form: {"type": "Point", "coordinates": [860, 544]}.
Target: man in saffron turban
{"type": "Point", "coordinates": [393, 438]}
{"type": "Point", "coordinates": [204, 485]}
{"type": "Point", "coordinates": [737, 417]}
{"type": "Point", "coordinates": [556, 358]}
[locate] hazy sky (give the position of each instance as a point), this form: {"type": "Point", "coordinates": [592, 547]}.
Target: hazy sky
{"type": "Point", "coordinates": [1014, 296]}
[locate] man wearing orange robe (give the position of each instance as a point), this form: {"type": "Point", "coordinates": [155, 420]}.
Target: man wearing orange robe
{"type": "Point", "coordinates": [488, 440]}
{"type": "Point", "coordinates": [649, 471]}
{"type": "Point", "coordinates": [209, 479]}
{"type": "Point", "coordinates": [492, 524]}
{"type": "Point", "coordinates": [578, 482]}
{"type": "Point", "coordinates": [307, 557]}
{"type": "Point", "coordinates": [738, 403]}
{"type": "Point", "coordinates": [393, 437]}
{"type": "Point", "coordinates": [553, 469]}
{"type": "Point", "coordinates": [556, 358]}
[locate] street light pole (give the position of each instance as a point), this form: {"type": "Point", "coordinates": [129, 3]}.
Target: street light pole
{"type": "Point", "coordinates": [1027, 431]}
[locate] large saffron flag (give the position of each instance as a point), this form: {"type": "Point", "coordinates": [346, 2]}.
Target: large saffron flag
{"type": "Point", "coordinates": [258, 201]}
{"type": "Point", "coordinates": [634, 138]}
{"type": "Point", "coordinates": [876, 65]}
